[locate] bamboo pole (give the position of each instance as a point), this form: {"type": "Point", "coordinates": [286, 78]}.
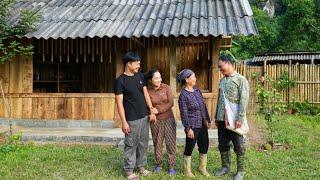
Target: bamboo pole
{"type": "Point", "coordinates": [92, 48]}
{"type": "Point", "coordinates": [313, 86]}
{"type": "Point", "coordinates": [43, 51]}
{"type": "Point", "coordinates": [299, 78]}
{"type": "Point", "coordinates": [101, 47]}
{"type": "Point", "coordinates": [60, 56]}
{"type": "Point", "coordinates": [106, 49]}
{"type": "Point", "coordinates": [318, 85]}
{"type": "Point", "coordinates": [51, 50]}
{"type": "Point", "coordinates": [85, 51]}
{"type": "Point", "coordinates": [308, 79]}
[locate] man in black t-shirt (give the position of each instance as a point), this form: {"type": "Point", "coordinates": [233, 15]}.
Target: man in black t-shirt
{"type": "Point", "coordinates": [133, 101]}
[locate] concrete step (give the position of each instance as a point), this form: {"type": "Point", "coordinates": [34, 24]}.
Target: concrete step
{"type": "Point", "coordinates": [79, 131]}
{"type": "Point", "coordinates": [106, 136]}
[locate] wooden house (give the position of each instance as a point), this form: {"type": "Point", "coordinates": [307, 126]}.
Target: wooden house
{"type": "Point", "coordinates": [79, 44]}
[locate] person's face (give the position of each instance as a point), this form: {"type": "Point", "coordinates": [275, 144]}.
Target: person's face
{"type": "Point", "coordinates": [225, 68]}
{"type": "Point", "coordinates": [191, 81]}
{"type": "Point", "coordinates": [134, 66]}
{"type": "Point", "coordinates": [156, 79]}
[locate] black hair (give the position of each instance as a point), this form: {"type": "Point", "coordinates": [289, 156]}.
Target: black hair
{"type": "Point", "coordinates": [130, 57]}
{"type": "Point", "coordinates": [182, 82]}
{"type": "Point", "coordinates": [148, 75]}
{"type": "Point", "coordinates": [226, 58]}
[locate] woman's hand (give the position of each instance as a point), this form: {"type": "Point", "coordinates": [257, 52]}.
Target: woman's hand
{"type": "Point", "coordinates": [153, 118]}
{"type": "Point", "coordinates": [190, 134]}
{"type": "Point", "coordinates": [216, 123]}
{"type": "Point", "coordinates": [208, 124]}
{"type": "Point", "coordinates": [154, 111]}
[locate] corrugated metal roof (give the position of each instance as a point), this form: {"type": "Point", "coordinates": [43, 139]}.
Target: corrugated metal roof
{"type": "Point", "coordinates": [296, 56]}
{"type": "Point", "coordinates": [137, 18]}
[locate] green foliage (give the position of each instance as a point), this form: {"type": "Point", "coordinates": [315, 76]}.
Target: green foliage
{"type": "Point", "coordinates": [304, 108]}
{"type": "Point", "coordinates": [296, 28]}
{"type": "Point", "coordinates": [228, 53]}
{"type": "Point", "coordinates": [9, 32]}
{"type": "Point", "coordinates": [284, 82]}
{"type": "Point", "coordinates": [264, 42]}
{"type": "Point", "coordinates": [269, 104]}
{"type": "Point", "coordinates": [12, 144]}
{"type": "Point", "coordinates": [301, 26]}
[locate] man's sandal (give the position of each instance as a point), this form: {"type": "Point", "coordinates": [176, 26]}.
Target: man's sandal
{"type": "Point", "coordinates": [132, 177]}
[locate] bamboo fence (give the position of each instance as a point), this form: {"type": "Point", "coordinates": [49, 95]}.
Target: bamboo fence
{"type": "Point", "coordinates": [306, 76]}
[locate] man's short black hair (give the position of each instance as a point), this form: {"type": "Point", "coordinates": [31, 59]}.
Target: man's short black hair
{"type": "Point", "coordinates": [226, 58]}
{"type": "Point", "coordinates": [130, 57]}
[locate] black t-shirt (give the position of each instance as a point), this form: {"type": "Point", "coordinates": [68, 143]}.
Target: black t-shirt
{"type": "Point", "coordinates": [134, 103]}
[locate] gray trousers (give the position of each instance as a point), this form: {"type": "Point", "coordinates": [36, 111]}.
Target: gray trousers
{"type": "Point", "coordinates": [136, 144]}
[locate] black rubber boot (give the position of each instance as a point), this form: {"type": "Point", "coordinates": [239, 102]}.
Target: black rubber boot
{"type": "Point", "coordinates": [240, 168]}
{"type": "Point", "coordinates": [225, 164]}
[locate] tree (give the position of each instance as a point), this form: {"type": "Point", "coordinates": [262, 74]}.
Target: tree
{"type": "Point", "coordinates": [300, 26]}
{"type": "Point", "coordinates": [266, 41]}
{"type": "Point", "coordinates": [10, 44]}
{"type": "Point", "coordinates": [296, 27]}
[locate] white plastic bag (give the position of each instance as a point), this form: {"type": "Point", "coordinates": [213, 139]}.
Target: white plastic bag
{"type": "Point", "coordinates": [231, 116]}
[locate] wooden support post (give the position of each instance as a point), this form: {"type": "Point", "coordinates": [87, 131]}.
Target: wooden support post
{"type": "Point", "coordinates": [173, 66]}
{"type": "Point", "coordinates": [119, 71]}
{"type": "Point", "coordinates": [215, 50]}
{"type": "Point", "coordinates": [264, 68]}
{"type": "Point", "coordinates": [244, 70]}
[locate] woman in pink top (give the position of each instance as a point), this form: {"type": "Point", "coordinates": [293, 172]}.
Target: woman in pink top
{"type": "Point", "coordinates": [164, 128]}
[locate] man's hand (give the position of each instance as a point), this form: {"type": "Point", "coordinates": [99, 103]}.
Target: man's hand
{"type": "Point", "coordinates": [190, 134]}
{"type": "Point", "coordinates": [153, 118]}
{"type": "Point", "coordinates": [125, 128]}
{"type": "Point", "coordinates": [216, 123]}
{"type": "Point", "coordinates": [208, 124]}
{"type": "Point", "coordinates": [154, 111]}
{"type": "Point", "coordinates": [238, 124]}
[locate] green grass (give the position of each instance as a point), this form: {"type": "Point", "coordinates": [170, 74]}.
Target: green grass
{"type": "Point", "coordinates": [101, 162]}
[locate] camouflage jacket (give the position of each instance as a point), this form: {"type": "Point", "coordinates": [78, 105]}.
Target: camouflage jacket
{"type": "Point", "coordinates": [236, 90]}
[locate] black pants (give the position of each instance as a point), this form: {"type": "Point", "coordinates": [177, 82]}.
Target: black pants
{"type": "Point", "coordinates": [224, 138]}
{"type": "Point", "coordinates": [201, 138]}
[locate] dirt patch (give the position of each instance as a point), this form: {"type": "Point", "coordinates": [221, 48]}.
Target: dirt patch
{"type": "Point", "coordinates": [255, 135]}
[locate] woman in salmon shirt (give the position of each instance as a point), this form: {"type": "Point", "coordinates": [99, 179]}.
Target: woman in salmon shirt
{"type": "Point", "coordinates": [164, 128]}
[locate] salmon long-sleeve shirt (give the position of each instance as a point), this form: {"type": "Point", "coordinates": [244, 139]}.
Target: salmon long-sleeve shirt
{"type": "Point", "coordinates": [162, 100]}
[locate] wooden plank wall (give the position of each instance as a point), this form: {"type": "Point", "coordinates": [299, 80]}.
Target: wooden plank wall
{"type": "Point", "coordinates": [158, 58]}
{"type": "Point", "coordinates": [17, 75]}
{"type": "Point", "coordinates": [195, 56]}
{"type": "Point", "coordinates": [62, 106]}
{"type": "Point", "coordinates": [98, 77]}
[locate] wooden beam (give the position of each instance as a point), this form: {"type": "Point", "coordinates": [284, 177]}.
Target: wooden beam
{"type": "Point", "coordinates": [215, 50]}
{"type": "Point", "coordinates": [119, 71]}
{"type": "Point", "coordinates": [173, 66]}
